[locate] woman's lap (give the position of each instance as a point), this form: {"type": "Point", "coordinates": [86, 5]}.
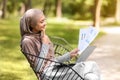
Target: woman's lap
{"type": "Point", "coordinates": [88, 70]}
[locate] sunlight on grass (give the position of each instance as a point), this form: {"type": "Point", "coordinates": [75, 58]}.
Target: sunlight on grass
{"type": "Point", "coordinates": [68, 21]}
{"type": "Point", "coordinates": [59, 20]}
{"type": "Point", "coordinates": [12, 62]}
{"type": "Point", "coordinates": [19, 71]}
{"type": "Point", "coordinates": [3, 38]}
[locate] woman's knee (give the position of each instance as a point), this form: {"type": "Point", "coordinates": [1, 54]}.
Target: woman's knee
{"type": "Point", "coordinates": [91, 76]}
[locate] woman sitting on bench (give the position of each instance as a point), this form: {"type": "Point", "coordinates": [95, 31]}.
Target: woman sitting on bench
{"type": "Point", "coordinates": [35, 41]}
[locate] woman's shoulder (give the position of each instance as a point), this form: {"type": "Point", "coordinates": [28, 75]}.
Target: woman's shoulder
{"type": "Point", "coordinates": [27, 39]}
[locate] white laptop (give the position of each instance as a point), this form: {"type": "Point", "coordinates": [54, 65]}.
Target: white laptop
{"type": "Point", "coordinates": [86, 53]}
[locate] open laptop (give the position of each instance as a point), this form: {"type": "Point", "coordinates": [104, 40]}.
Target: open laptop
{"type": "Point", "coordinates": [86, 53]}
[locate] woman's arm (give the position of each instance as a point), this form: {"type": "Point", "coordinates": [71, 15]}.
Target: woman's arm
{"type": "Point", "coordinates": [27, 46]}
{"type": "Point", "coordinates": [43, 53]}
{"type": "Point", "coordinates": [63, 58]}
{"type": "Point", "coordinates": [67, 56]}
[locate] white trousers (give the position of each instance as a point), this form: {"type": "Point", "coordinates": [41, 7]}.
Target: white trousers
{"type": "Point", "coordinates": [89, 70]}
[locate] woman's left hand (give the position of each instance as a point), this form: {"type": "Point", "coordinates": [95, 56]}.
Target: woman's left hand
{"type": "Point", "coordinates": [74, 53]}
{"type": "Point", "coordinates": [45, 39]}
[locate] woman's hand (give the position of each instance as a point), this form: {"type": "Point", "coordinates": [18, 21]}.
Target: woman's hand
{"type": "Point", "coordinates": [44, 37]}
{"type": "Point", "coordinates": [74, 53]}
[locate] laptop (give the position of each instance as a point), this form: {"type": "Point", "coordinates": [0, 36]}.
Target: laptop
{"type": "Point", "coordinates": [85, 54]}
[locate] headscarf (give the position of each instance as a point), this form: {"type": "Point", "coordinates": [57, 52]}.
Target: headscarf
{"type": "Point", "coordinates": [29, 20]}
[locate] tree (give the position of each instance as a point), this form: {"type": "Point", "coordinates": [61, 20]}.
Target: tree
{"type": "Point", "coordinates": [4, 9]}
{"type": "Point", "coordinates": [108, 8]}
{"type": "Point", "coordinates": [59, 8]}
{"type": "Point", "coordinates": [25, 5]}
{"type": "Point", "coordinates": [46, 6]}
{"type": "Point", "coordinates": [117, 13]}
{"type": "Point", "coordinates": [28, 4]}
{"type": "Point", "coordinates": [97, 8]}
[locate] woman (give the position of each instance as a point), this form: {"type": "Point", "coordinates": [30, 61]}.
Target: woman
{"type": "Point", "coordinates": [35, 41]}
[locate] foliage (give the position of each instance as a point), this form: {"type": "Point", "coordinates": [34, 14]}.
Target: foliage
{"type": "Point", "coordinates": [80, 9]}
{"type": "Point", "coordinates": [13, 5]}
{"type": "Point", "coordinates": [75, 9]}
{"type": "Point", "coordinates": [108, 8]}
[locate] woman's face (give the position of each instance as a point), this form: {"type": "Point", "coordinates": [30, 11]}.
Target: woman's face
{"type": "Point", "coordinates": [41, 24]}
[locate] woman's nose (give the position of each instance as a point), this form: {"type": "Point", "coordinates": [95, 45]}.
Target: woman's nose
{"type": "Point", "coordinates": [45, 23]}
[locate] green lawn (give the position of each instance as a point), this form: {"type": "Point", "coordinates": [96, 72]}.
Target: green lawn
{"type": "Point", "coordinates": [13, 65]}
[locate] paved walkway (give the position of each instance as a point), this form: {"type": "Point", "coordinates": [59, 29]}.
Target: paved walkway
{"type": "Point", "coordinates": [107, 54]}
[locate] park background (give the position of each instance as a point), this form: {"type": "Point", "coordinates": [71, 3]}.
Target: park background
{"type": "Point", "coordinates": [64, 19]}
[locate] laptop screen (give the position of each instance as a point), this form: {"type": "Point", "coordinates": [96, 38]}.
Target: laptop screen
{"type": "Point", "coordinates": [86, 53]}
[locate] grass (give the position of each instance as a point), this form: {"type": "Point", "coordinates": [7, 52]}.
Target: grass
{"type": "Point", "coordinates": [13, 65]}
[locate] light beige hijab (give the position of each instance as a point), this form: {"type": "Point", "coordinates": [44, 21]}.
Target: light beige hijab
{"type": "Point", "coordinates": [29, 20]}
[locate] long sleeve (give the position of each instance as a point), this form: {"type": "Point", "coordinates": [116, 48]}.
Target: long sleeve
{"type": "Point", "coordinates": [28, 47]}
{"type": "Point", "coordinates": [43, 53]}
{"type": "Point", "coordinates": [63, 58]}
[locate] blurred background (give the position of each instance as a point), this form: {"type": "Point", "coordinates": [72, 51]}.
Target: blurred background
{"type": "Point", "coordinates": [64, 19]}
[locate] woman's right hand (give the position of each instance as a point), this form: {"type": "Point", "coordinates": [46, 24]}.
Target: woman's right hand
{"type": "Point", "coordinates": [74, 52]}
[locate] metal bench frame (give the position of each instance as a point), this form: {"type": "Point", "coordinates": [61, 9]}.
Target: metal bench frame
{"type": "Point", "coordinates": [61, 46]}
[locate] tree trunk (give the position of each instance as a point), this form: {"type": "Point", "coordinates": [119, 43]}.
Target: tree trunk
{"type": "Point", "coordinates": [59, 9]}
{"type": "Point", "coordinates": [4, 9]}
{"type": "Point", "coordinates": [22, 9]}
{"type": "Point", "coordinates": [46, 7]}
{"type": "Point", "coordinates": [117, 13]}
{"type": "Point", "coordinates": [97, 8]}
{"type": "Point", "coordinates": [28, 5]}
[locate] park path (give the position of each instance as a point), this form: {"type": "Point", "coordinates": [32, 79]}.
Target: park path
{"type": "Point", "coordinates": [107, 54]}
